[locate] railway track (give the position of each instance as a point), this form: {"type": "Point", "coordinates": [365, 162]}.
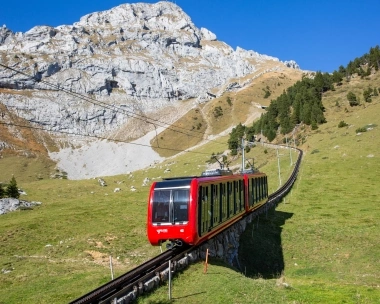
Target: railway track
{"type": "Point", "coordinates": [149, 275]}
{"type": "Point", "coordinates": [132, 281]}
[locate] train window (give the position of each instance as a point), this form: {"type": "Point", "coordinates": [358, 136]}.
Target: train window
{"type": "Point", "coordinates": [223, 201]}
{"type": "Point", "coordinates": [230, 191]}
{"type": "Point", "coordinates": [216, 205]}
{"type": "Point", "coordinates": [252, 192]}
{"type": "Point", "coordinates": [204, 211]}
{"type": "Point", "coordinates": [258, 189]}
{"type": "Point", "coordinates": [240, 196]}
{"type": "Point", "coordinates": [161, 206]}
{"type": "Point", "coordinates": [180, 205]}
{"type": "Point", "coordinates": [170, 206]}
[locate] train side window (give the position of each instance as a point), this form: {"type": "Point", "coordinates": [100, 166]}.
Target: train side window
{"type": "Point", "coordinates": [230, 191]}
{"type": "Point", "coordinates": [240, 196]}
{"type": "Point", "coordinates": [249, 192]}
{"type": "Point", "coordinates": [252, 191]}
{"type": "Point", "coordinates": [201, 219]}
{"type": "Point", "coordinates": [235, 196]}
{"type": "Point", "coordinates": [223, 202]}
{"type": "Point", "coordinates": [203, 210]}
{"type": "Point", "coordinates": [216, 204]}
{"type": "Point", "coordinates": [259, 188]}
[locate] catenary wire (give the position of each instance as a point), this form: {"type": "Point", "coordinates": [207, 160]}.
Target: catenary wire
{"type": "Point", "coordinates": [97, 137]}
{"type": "Point", "coordinates": [113, 107]}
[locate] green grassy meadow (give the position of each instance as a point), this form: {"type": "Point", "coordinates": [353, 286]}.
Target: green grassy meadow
{"type": "Point", "coordinates": [320, 245]}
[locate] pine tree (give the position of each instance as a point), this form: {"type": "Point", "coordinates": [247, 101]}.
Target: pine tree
{"type": "Point", "coordinates": [12, 190]}
{"type": "Point", "coordinates": [2, 192]}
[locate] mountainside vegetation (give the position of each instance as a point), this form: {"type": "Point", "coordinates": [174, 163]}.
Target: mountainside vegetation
{"type": "Point", "coordinates": [302, 102]}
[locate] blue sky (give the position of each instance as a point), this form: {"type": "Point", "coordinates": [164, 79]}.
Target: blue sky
{"type": "Point", "coordinates": [319, 35]}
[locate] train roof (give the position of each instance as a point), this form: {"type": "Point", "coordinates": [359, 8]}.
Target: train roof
{"type": "Point", "coordinates": [217, 174]}
{"type": "Point", "coordinates": [175, 182]}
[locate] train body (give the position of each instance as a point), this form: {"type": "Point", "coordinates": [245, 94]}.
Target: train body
{"type": "Point", "coordinates": [191, 210]}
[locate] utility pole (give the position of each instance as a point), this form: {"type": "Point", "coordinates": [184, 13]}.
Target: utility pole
{"type": "Point", "coordinates": [290, 152]}
{"type": "Point", "coordinates": [279, 170]}
{"type": "Point", "coordinates": [243, 154]}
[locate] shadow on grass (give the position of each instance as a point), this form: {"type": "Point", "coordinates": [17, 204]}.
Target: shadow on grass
{"type": "Point", "coordinates": [260, 251]}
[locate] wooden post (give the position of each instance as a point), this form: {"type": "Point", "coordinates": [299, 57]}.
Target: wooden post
{"type": "Point", "coordinates": [206, 263]}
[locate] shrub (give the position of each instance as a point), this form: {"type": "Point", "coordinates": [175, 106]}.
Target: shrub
{"type": "Point", "coordinates": [229, 101]}
{"type": "Point", "coordinates": [218, 111]}
{"type": "Point", "coordinates": [367, 95]}
{"type": "Point", "coordinates": [351, 97]}
{"type": "Point", "coordinates": [342, 124]}
{"type": "Point", "coordinates": [361, 130]}
{"type": "Point", "coordinates": [267, 94]}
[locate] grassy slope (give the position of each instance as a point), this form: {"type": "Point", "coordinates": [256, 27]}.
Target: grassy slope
{"type": "Point", "coordinates": [323, 240]}
{"type": "Point", "coordinates": [242, 108]}
{"type": "Point", "coordinates": [321, 244]}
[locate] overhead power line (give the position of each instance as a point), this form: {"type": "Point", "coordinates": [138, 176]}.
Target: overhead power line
{"type": "Point", "coordinates": [113, 107]}
{"type": "Point", "coordinates": [96, 137]}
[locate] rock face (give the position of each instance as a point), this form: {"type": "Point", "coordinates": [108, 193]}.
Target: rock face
{"type": "Point", "coordinates": [12, 204]}
{"type": "Point", "coordinates": [131, 58]}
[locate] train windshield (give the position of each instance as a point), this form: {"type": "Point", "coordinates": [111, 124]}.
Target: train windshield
{"type": "Point", "coordinates": [170, 205]}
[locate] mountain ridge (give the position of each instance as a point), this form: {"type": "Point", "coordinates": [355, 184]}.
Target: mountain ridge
{"type": "Point", "coordinates": [129, 62]}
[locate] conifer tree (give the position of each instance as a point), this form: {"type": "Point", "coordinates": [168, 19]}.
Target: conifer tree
{"type": "Point", "coordinates": [2, 192]}
{"type": "Point", "coordinates": [12, 190]}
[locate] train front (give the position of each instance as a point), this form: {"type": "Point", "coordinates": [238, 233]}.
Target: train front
{"type": "Point", "coordinates": [170, 212]}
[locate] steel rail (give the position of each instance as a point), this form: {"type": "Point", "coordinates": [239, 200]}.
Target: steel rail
{"type": "Point", "coordinates": [132, 276]}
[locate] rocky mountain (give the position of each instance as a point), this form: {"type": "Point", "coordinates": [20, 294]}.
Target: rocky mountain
{"type": "Point", "coordinates": [134, 58]}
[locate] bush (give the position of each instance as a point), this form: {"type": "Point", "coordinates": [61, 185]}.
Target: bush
{"type": "Point", "coordinates": [12, 190]}
{"type": "Point", "coordinates": [361, 130]}
{"type": "Point", "coordinates": [351, 97]}
{"type": "Point", "coordinates": [218, 111]}
{"type": "Point", "coordinates": [367, 94]}
{"type": "Point", "coordinates": [342, 124]}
